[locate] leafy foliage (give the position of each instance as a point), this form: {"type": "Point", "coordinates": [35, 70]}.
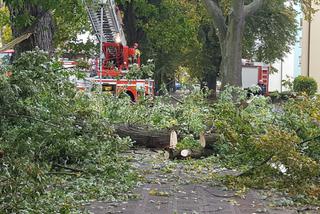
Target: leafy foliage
{"type": "Point", "coordinates": [189, 143]}
{"type": "Point", "coordinates": [276, 146]}
{"type": "Point", "coordinates": [145, 71]}
{"type": "Point", "coordinates": [264, 46]}
{"type": "Point", "coordinates": [6, 33]}
{"type": "Point", "coordinates": [273, 145]}
{"type": "Point", "coordinates": [302, 84]}
{"type": "Point", "coordinates": [161, 113]}
{"type": "Point", "coordinates": [58, 148]}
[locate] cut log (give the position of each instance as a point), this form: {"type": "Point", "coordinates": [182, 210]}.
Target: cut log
{"type": "Point", "coordinates": [164, 139]}
{"type": "Point", "coordinates": [142, 136]}
{"type": "Point", "coordinates": [187, 153]}
{"type": "Point", "coordinates": [173, 139]}
{"type": "Point", "coordinates": [207, 143]}
{"type": "Point", "coordinates": [202, 140]}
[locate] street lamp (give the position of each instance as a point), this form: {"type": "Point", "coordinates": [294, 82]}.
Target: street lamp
{"type": "Point", "coordinates": [101, 3]}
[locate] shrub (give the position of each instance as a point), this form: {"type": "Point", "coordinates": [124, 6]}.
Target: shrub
{"type": "Point", "coordinates": [303, 84]}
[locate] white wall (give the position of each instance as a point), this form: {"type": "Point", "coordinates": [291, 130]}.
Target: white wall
{"type": "Point", "coordinates": [284, 70]}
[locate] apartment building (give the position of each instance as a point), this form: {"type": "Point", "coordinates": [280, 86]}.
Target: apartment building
{"type": "Point", "coordinates": [310, 60]}
{"type": "Point", "coordinates": [290, 66]}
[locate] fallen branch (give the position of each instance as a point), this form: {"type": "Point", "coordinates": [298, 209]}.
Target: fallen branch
{"type": "Point", "coordinates": [308, 140]}
{"type": "Point", "coordinates": [62, 173]}
{"type": "Point", "coordinates": [252, 169]}
{"type": "Point", "coordinates": [66, 167]}
{"type": "Point", "coordinates": [176, 99]}
{"type": "Point", "coordinates": [29, 117]}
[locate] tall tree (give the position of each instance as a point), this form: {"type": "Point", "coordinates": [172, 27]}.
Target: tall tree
{"type": "Point", "coordinates": [5, 29]}
{"type": "Point", "coordinates": [166, 30]}
{"type": "Point", "coordinates": [32, 18]}
{"type": "Point", "coordinates": [229, 18]}
{"type": "Point", "coordinates": [39, 18]}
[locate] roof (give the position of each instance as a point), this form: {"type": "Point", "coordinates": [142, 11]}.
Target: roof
{"type": "Point", "coordinates": [7, 51]}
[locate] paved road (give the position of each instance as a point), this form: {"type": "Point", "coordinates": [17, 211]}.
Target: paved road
{"type": "Point", "coordinates": [175, 193]}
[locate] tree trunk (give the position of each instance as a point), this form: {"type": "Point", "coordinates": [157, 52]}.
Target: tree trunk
{"type": "Point", "coordinates": [42, 28]}
{"type": "Point", "coordinates": [231, 48]}
{"type": "Point", "coordinates": [230, 31]}
{"type": "Point", "coordinates": [212, 83]}
{"type": "Point", "coordinates": [130, 23]}
{"type": "Point", "coordinates": [150, 138]}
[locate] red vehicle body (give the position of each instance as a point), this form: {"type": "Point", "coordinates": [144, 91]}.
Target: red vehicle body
{"type": "Point", "coordinates": [117, 62]}
{"type": "Point", "coordinates": [106, 21]}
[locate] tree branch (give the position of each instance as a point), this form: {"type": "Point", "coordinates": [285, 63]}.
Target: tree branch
{"type": "Point", "coordinates": [31, 118]}
{"type": "Point", "coordinates": [253, 7]}
{"type": "Point", "coordinates": [66, 167]}
{"type": "Point", "coordinates": [218, 19]}
{"type": "Point", "coordinates": [252, 169]}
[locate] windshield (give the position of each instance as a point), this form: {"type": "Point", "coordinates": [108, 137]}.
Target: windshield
{"type": "Point", "coordinates": [5, 58]}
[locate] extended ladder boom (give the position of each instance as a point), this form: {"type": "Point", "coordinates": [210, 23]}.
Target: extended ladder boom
{"type": "Point", "coordinates": [112, 29]}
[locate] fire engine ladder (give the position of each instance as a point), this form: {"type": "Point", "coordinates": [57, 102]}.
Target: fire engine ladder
{"type": "Point", "coordinates": [112, 29]}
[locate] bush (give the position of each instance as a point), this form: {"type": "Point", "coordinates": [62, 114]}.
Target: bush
{"type": "Point", "coordinates": [303, 84]}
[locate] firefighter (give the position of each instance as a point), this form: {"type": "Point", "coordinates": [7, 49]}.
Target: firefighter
{"type": "Point", "coordinates": [263, 88]}
{"type": "Point", "coordinates": [137, 53]}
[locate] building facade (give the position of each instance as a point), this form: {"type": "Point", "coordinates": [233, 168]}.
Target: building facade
{"type": "Point", "coordinates": [298, 45]}
{"type": "Point", "coordinates": [310, 61]}
{"type": "Point", "coordinates": [290, 66]}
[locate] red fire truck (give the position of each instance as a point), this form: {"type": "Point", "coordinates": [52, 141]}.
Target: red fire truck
{"type": "Point", "coordinates": [118, 57]}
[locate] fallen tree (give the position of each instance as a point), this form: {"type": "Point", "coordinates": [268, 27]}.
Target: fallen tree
{"type": "Point", "coordinates": [168, 140]}
{"type": "Point", "coordinates": [142, 136]}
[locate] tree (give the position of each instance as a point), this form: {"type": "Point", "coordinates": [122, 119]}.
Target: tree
{"type": "Point", "coordinates": [167, 32]}
{"type": "Point", "coordinates": [197, 49]}
{"type": "Point", "coordinates": [5, 30]}
{"type": "Point", "coordinates": [229, 19]}
{"type": "Point", "coordinates": [44, 19]}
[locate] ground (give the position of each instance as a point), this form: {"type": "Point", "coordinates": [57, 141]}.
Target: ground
{"type": "Point", "coordinates": [189, 187]}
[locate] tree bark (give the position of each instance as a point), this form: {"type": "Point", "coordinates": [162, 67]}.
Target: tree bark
{"type": "Point", "coordinates": [142, 136]}
{"type": "Point", "coordinates": [230, 30]}
{"type": "Point", "coordinates": [42, 28]}
{"type": "Point", "coordinates": [212, 80]}
{"type": "Point", "coordinates": [232, 46]}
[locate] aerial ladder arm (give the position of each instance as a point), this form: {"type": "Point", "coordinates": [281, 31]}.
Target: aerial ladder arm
{"type": "Point", "coordinates": [111, 28]}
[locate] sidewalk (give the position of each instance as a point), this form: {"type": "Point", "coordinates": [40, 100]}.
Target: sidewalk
{"type": "Point", "coordinates": [166, 191]}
